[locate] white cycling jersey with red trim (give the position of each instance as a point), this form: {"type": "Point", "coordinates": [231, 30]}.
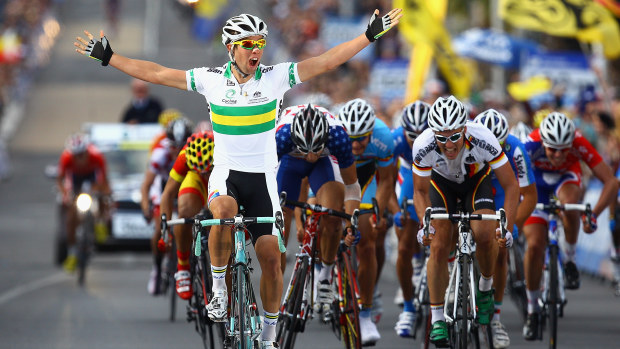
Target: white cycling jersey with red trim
{"type": "Point", "coordinates": [480, 148]}
{"type": "Point", "coordinates": [244, 115]}
{"type": "Point", "coordinates": [162, 159]}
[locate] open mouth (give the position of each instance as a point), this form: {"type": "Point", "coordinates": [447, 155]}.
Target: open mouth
{"type": "Point", "coordinates": [253, 62]}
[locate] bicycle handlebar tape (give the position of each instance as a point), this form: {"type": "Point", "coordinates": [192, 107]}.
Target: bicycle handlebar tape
{"type": "Point", "coordinates": [377, 27]}
{"type": "Point", "coordinates": [100, 50]}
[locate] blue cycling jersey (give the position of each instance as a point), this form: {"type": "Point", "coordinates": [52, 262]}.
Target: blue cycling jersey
{"type": "Point", "coordinates": [521, 165]}
{"type": "Point", "coordinates": [380, 149]}
{"type": "Point", "coordinates": [401, 147]}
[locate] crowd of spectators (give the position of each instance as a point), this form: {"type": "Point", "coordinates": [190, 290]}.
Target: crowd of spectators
{"type": "Point", "coordinates": [24, 42]}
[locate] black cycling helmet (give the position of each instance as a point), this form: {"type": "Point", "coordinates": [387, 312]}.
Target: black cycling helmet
{"type": "Point", "coordinates": [309, 130]}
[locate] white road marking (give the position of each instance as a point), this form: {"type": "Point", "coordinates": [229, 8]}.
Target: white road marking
{"type": "Point", "coordinates": [32, 286]}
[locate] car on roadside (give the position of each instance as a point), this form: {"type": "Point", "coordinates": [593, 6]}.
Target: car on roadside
{"type": "Point", "coordinates": [126, 149]}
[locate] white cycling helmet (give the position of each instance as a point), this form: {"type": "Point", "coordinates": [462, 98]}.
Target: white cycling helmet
{"type": "Point", "coordinates": [521, 130]}
{"type": "Point", "coordinates": [357, 117]}
{"type": "Point", "coordinates": [447, 114]}
{"type": "Point", "coordinates": [557, 131]}
{"type": "Point", "coordinates": [310, 129]}
{"type": "Point", "coordinates": [494, 121]}
{"type": "Point", "coordinates": [243, 26]}
{"type": "Point", "coordinates": [77, 143]}
{"type": "Point", "coordinates": [414, 118]}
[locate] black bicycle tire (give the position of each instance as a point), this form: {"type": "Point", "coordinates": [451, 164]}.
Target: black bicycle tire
{"type": "Point", "coordinates": [297, 296]}
{"type": "Point", "coordinates": [171, 288]}
{"type": "Point", "coordinates": [350, 305]}
{"type": "Point", "coordinates": [240, 305]}
{"type": "Point", "coordinates": [552, 299]}
{"type": "Point", "coordinates": [463, 304]}
{"type": "Point", "coordinates": [516, 280]}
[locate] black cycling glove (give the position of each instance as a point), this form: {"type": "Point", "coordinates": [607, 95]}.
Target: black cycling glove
{"type": "Point", "coordinates": [100, 50]}
{"type": "Point", "coordinates": [377, 27]}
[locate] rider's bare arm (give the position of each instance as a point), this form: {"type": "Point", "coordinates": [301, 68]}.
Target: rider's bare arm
{"type": "Point", "coordinates": [337, 55]}
{"type": "Point", "coordinates": [508, 181]}
{"type": "Point", "coordinates": [349, 176]}
{"type": "Point", "coordinates": [140, 69]}
{"type": "Point", "coordinates": [527, 205]}
{"type": "Point", "coordinates": [603, 172]}
{"type": "Point", "coordinates": [167, 197]}
{"type": "Point", "coordinates": [421, 200]}
{"type": "Point", "coordinates": [149, 178]}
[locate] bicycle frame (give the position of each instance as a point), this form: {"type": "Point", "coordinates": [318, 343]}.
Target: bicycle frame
{"type": "Point", "coordinates": [553, 297]}
{"type": "Point", "coordinates": [244, 325]}
{"type": "Point", "coordinates": [462, 315]}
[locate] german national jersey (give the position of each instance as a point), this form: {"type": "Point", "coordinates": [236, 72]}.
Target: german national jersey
{"type": "Point", "coordinates": [338, 143]}
{"type": "Point", "coordinates": [480, 147]}
{"type": "Point", "coordinates": [580, 150]}
{"type": "Point", "coordinates": [244, 115]}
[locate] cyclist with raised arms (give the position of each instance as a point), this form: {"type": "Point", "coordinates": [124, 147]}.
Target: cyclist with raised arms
{"type": "Point", "coordinates": [413, 122]}
{"type": "Point", "coordinates": [556, 150]}
{"type": "Point", "coordinates": [521, 166]}
{"type": "Point", "coordinates": [188, 180]}
{"type": "Point", "coordinates": [373, 147]}
{"type": "Point", "coordinates": [313, 143]}
{"type": "Point", "coordinates": [160, 163]}
{"type": "Point", "coordinates": [244, 98]}
{"type": "Point", "coordinates": [452, 161]}
{"type": "Point", "coordinates": [79, 162]}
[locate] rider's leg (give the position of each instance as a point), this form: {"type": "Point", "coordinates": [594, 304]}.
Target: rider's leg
{"type": "Point", "coordinates": [407, 247]}
{"type": "Point", "coordinates": [220, 237]}
{"type": "Point", "coordinates": [268, 255]}
{"type": "Point", "coordinates": [189, 205]}
{"type": "Point", "coordinates": [570, 193]}
{"type": "Point", "coordinates": [288, 230]}
{"type": "Point", "coordinates": [499, 280]}
{"type": "Point", "coordinates": [330, 195]}
{"type": "Point", "coordinates": [367, 270]}
{"type": "Point", "coordinates": [437, 268]}
{"type": "Point", "coordinates": [486, 245]}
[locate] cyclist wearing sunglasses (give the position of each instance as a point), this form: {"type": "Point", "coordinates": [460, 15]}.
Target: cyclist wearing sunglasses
{"type": "Point", "coordinates": [452, 161]}
{"type": "Point", "coordinates": [244, 97]}
{"type": "Point", "coordinates": [413, 121]}
{"type": "Point", "coordinates": [521, 166]}
{"type": "Point", "coordinates": [312, 143]}
{"type": "Point", "coordinates": [373, 147]}
{"type": "Point", "coordinates": [556, 150]}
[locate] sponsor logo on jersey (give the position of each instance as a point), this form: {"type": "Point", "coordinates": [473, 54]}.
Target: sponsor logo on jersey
{"type": "Point", "coordinates": [215, 70]}
{"type": "Point", "coordinates": [482, 144]}
{"type": "Point", "coordinates": [229, 83]}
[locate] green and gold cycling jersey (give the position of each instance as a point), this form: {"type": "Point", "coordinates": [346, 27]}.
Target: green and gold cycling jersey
{"type": "Point", "coordinates": [244, 115]}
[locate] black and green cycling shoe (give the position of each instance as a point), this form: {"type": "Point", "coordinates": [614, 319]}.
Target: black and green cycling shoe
{"type": "Point", "coordinates": [486, 306]}
{"type": "Point", "coordinates": [439, 335]}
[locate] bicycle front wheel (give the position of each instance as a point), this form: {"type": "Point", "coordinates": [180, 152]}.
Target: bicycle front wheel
{"type": "Point", "coordinates": [349, 311]}
{"type": "Point", "coordinates": [553, 297]}
{"type": "Point", "coordinates": [241, 338]}
{"type": "Point", "coordinates": [292, 322]}
{"type": "Point", "coordinates": [516, 279]}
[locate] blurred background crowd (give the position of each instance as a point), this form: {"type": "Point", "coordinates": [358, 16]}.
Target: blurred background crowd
{"type": "Point", "coordinates": [488, 53]}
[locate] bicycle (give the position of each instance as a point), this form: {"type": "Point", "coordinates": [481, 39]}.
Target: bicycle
{"type": "Point", "coordinates": [298, 303]}
{"type": "Point", "coordinates": [200, 280]}
{"type": "Point", "coordinates": [553, 299]}
{"type": "Point", "coordinates": [515, 284]}
{"type": "Point", "coordinates": [461, 319]}
{"type": "Point", "coordinates": [421, 298]}
{"type": "Point", "coordinates": [244, 323]}
{"type": "Point", "coordinates": [86, 207]}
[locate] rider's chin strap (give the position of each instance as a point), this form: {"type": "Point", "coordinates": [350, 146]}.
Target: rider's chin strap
{"type": "Point", "coordinates": [234, 64]}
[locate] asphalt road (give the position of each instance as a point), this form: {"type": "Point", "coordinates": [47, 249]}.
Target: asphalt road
{"type": "Point", "coordinates": [42, 307]}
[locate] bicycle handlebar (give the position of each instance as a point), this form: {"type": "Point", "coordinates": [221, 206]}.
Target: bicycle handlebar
{"type": "Point", "coordinates": [353, 218]}
{"type": "Point", "coordinates": [499, 215]}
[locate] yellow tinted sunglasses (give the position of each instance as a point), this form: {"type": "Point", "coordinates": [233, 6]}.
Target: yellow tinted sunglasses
{"type": "Point", "coordinates": [250, 44]}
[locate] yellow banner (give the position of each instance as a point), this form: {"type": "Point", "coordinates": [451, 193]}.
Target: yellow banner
{"type": "Point", "coordinates": [586, 20]}
{"type": "Point", "coordinates": [422, 26]}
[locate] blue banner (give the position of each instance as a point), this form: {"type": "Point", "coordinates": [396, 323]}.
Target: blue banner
{"type": "Point", "coordinates": [493, 47]}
